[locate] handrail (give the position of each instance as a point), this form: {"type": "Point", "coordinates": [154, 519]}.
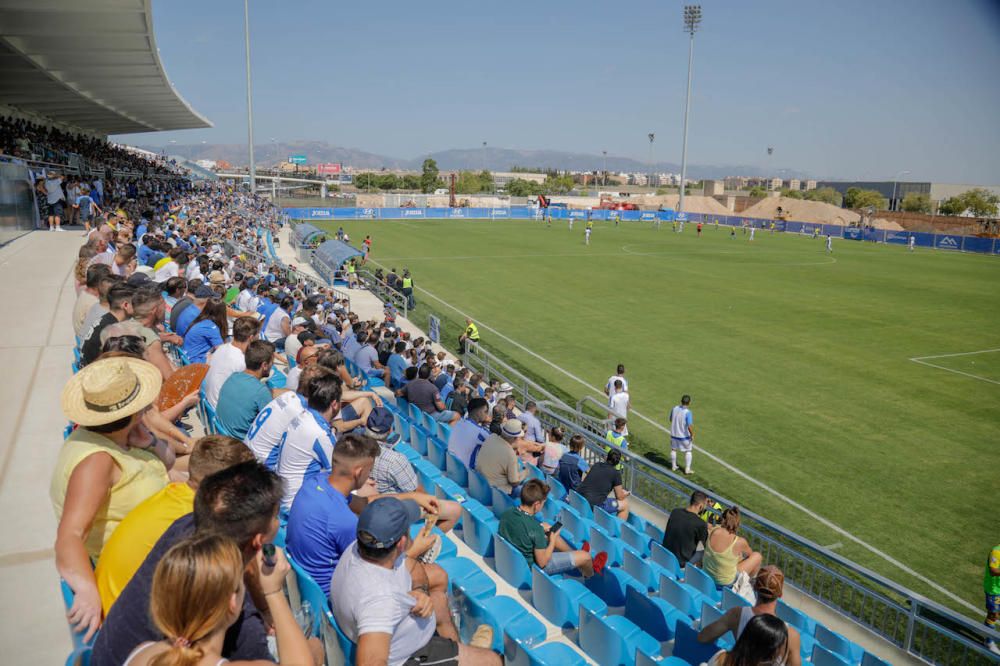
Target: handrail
{"type": "Point", "coordinates": [922, 627]}
{"type": "Point", "coordinates": [382, 289]}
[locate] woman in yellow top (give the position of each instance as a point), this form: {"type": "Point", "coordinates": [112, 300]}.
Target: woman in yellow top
{"type": "Point", "coordinates": [727, 554]}
{"type": "Point", "coordinates": [107, 466]}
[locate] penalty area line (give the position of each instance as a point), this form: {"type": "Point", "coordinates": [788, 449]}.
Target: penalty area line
{"type": "Point", "coordinates": [738, 472]}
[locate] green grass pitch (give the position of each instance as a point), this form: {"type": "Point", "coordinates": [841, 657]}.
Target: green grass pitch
{"type": "Point", "coordinates": [809, 371]}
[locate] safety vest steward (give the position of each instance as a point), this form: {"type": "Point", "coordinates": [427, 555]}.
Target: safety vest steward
{"type": "Point", "coordinates": [472, 332]}
{"type": "Point", "coordinates": [407, 283]}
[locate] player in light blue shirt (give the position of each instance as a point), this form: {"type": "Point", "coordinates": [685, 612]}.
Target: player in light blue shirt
{"type": "Point", "coordinates": [681, 434]}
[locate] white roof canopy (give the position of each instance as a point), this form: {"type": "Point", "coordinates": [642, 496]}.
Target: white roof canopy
{"type": "Point", "coordinates": [89, 63]}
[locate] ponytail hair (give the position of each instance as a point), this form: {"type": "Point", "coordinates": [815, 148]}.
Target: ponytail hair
{"type": "Point", "coordinates": [730, 520]}
{"type": "Point", "coordinates": [192, 587]}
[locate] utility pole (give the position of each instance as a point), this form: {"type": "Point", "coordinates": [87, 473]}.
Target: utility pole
{"type": "Point", "coordinates": [246, 39]}
{"type": "Point", "coordinates": [651, 136]}
{"type": "Point", "coordinates": [605, 167]}
{"type": "Point", "coordinates": [692, 20]}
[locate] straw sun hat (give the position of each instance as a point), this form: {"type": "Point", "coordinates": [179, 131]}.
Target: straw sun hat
{"type": "Point", "coordinates": [110, 389]}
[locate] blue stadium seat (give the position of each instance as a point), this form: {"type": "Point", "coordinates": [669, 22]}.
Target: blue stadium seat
{"type": "Point", "coordinates": [795, 617]}
{"type": "Point", "coordinates": [403, 407]}
{"type": "Point", "coordinates": [448, 547]}
{"type": "Point", "coordinates": [710, 614]}
{"type": "Point", "coordinates": [468, 576]}
{"type": "Point", "coordinates": [637, 521]}
{"type": "Point", "coordinates": [549, 654]}
{"type": "Point", "coordinates": [646, 572]}
{"type": "Point", "coordinates": [310, 592]}
{"type": "Point", "coordinates": [556, 489]}
{"type": "Point", "coordinates": [552, 601]}
{"type": "Point", "coordinates": [614, 639]}
{"type": "Point", "coordinates": [601, 540]}
{"type": "Point", "coordinates": [824, 657]}
{"type": "Point", "coordinates": [653, 615]}
{"type": "Point", "coordinates": [840, 646]}
{"type": "Point", "coordinates": [609, 523]}
{"type": "Point", "coordinates": [688, 648]}
{"type": "Point", "coordinates": [611, 585]}
{"type": "Point", "coordinates": [456, 470]}
{"type": "Point", "coordinates": [443, 431]}
{"type": "Point", "coordinates": [337, 646]}
{"type": "Point", "coordinates": [871, 660]}
{"type": "Point", "coordinates": [416, 415]}
{"type": "Point", "coordinates": [479, 488]}
{"type": "Point", "coordinates": [679, 596]}
{"type": "Point", "coordinates": [449, 490]}
{"type": "Point", "coordinates": [407, 451]}
{"type": "Point", "coordinates": [578, 527]}
{"type": "Point", "coordinates": [501, 502]}
{"type": "Point", "coordinates": [418, 438]}
{"type": "Point", "coordinates": [666, 559]}
{"type": "Point", "coordinates": [401, 426]}
{"type": "Point", "coordinates": [652, 531]}
{"type": "Point", "coordinates": [478, 533]}
{"type": "Point", "coordinates": [572, 590]}
{"type": "Point", "coordinates": [580, 505]}
{"type": "Point", "coordinates": [506, 615]}
{"type": "Point", "coordinates": [510, 564]}
{"type": "Point", "coordinates": [732, 600]}
{"type": "Point", "coordinates": [551, 510]}
{"type": "Point", "coordinates": [533, 472]}
{"type": "Point", "coordinates": [427, 479]}
{"type": "Point", "coordinates": [430, 423]}
{"type": "Point", "coordinates": [702, 582]}
{"type": "Point", "coordinates": [79, 645]}
{"type": "Point", "coordinates": [437, 452]}
{"type": "Point", "coordinates": [635, 539]}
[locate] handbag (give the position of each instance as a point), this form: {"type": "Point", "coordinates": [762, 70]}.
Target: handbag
{"type": "Point", "coordinates": [744, 587]}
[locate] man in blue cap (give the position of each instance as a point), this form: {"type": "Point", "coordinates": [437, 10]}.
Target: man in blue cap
{"type": "Point", "coordinates": [378, 606]}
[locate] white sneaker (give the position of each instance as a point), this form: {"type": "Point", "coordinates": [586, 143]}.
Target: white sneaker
{"type": "Point", "coordinates": [993, 647]}
{"type": "Point", "coordinates": [673, 468]}
{"type": "Point", "coordinates": [688, 472]}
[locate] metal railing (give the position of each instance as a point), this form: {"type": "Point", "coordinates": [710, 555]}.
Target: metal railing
{"type": "Point", "coordinates": [235, 248]}
{"type": "Point", "coordinates": [384, 292]}
{"type": "Point", "coordinates": [921, 627]}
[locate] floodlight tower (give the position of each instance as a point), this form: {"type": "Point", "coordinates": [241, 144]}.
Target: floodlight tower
{"type": "Point", "coordinates": [246, 38]}
{"type": "Point", "coordinates": [652, 137]}
{"type": "Point", "coordinates": [692, 21]}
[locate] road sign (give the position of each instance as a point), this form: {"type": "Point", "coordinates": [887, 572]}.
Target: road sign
{"type": "Point", "coordinates": [296, 159]}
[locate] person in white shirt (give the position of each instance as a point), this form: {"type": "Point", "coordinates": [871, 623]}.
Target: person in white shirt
{"type": "Point", "coordinates": [618, 402]}
{"type": "Point", "coordinates": [247, 301]}
{"type": "Point", "coordinates": [378, 607]}
{"type": "Point", "coordinates": [279, 324]}
{"type": "Point", "coordinates": [267, 433]}
{"type": "Point", "coordinates": [309, 438]}
{"type": "Point", "coordinates": [228, 359]}
{"type": "Point", "coordinates": [619, 375]}
{"type": "Point", "coordinates": [467, 436]}
{"type": "Point", "coordinates": [306, 357]}
{"type": "Point", "coordinates": [681, 434]}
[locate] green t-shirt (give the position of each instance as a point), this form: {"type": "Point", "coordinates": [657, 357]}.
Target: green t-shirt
{"type": "Point", "coordinates": [991, 583]}
{"type": "Point", "coordinates": [523, 532]}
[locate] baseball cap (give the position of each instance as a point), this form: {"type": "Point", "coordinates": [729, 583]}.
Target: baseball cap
{"type": "Point", "coordinates": [137, 279]}
{"type": "Point", "coordinates": [203, 292]}
{"type": "Point", "coordinates": [379, 423]}
{"type": "Point", "coordinates": [300, 321]}
{"type": "Point", "coordinates": [384, 521]}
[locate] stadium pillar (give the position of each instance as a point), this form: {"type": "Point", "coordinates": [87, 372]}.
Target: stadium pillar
{"type": "Point", "coordinates": [246, 38]}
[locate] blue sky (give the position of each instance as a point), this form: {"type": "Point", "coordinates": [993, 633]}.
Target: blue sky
{"type": "Point", "coordinates": [851, 89]}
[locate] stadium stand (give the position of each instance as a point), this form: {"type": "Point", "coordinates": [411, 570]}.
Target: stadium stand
{"type": "Point", "coordinates": [643, 608]}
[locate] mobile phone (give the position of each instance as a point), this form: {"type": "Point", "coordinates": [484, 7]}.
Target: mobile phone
{"type": "Point", "coordinates": [555, 528]}
{"type": "Point", "coordinates": [268, 551]}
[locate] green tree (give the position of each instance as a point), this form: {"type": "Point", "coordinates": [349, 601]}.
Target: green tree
{"type": "Point", "coordinates": [858, 198]}
{"type": "Point", "coordinates": [410, 181]}
{"type": "Point", "coordinates": [792, 194]}
{"type": "Point", "coordinates": [519, 187]}
{"type": "Point", "coordinates": [978, 202]}
{"type": "Point", "coordinates": [757, 192]}
{"type": "Point", "coordinates": [915, 202]}
{"type": "Point", "coordinates": [429, 176]}
{"type": "Point", "coordinates": [825, 195]}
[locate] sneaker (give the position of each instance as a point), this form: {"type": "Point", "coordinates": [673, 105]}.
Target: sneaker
{"type": "Point", "coordinates": [600, 560]}
{"type": "Point", "coordinates": [483, 638]}
{"type": "Point", "coordinates": [431, 553]}
{"type": "Point", "coordinates": [688, 472]}
{"type": "Point", "coordinates": [993, 647]}
{"type": "Point", "coordinates": [585, 547]}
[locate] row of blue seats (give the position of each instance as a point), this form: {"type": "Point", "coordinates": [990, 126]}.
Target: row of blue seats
{"type": "Point", "coordinates": [635, 557]}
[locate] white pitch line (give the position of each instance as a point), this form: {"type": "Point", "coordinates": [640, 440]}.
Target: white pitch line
{"type": "Point", "coordinates": [922, 360]}
{"type": "Point", "coordinates": [812, 514]}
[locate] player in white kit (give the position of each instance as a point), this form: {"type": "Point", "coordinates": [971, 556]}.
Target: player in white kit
{"type": "Point", "coordinates": [752, 230]}
{"type": "Point", "coordinates": [681, 434]}
{"type": "Point", "coordinates": [911, 242]}
{"type": "Point", "coordinates": [586, 236]}
{"type": "Point", "coordinates": [829, 243]}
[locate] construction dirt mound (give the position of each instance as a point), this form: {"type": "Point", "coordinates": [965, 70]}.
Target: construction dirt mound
{"type": "Point", "coordinates": [692, 204]}
{"type": "Point", "coordinates": [801, 210]}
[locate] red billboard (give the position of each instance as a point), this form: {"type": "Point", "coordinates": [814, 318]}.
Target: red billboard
{"type": "Point", "coordinates": [328, 169]}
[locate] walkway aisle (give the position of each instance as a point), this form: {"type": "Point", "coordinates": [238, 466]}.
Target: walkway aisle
{"type": "Point", "coordinates": [36, 340]}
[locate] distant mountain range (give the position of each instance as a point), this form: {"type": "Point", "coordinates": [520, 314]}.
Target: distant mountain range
{"type": "Point", "coordinates": [494, 159]}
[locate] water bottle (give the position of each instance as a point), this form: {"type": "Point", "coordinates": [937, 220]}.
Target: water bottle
{"type": "Point", "coordinates": [456, 613]}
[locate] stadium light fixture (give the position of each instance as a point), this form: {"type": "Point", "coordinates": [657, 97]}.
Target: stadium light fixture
{"type": "Point", "coordinates": [692, 21]}
{"type": "Point", "coordinates": [246, 39]}
{"type": "Point", "coordinates": [605, 153]}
